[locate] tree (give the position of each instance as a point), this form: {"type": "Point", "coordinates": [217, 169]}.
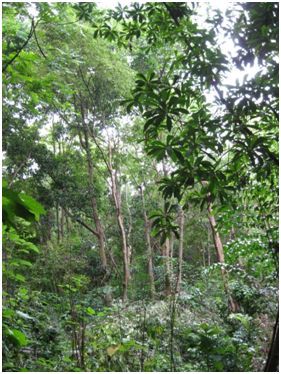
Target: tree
{"type": "Point", "coordinates": [158, 181]}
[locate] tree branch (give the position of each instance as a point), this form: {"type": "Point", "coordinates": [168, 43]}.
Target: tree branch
{"type": "Point", "coordinates": [37, 42]}
{"type": "Point", "coordinates": [21, 48]}
{"type": "Point", "coordinates": [15, 173]}
{"type": "Point", "coordinates": [171, 13]}
{"type": "Point", "coordinates": [82, 223]}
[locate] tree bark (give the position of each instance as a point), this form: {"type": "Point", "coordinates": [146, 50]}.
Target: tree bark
{"type": "Point", "coordinates": [166, 255]}
{"type": "Point", "coordinates": [130, 225]}
{"type": "Point", "coordinates": [166, 252]}
{"type": "Point", "coordinates": [62, 223]}
{"type": "Point", "coordinates": [171, 253]}
{"type": "Point", "coordinates": [180, 255]}
{"type": "Point", "coordinates": [98, 225]}
{"type": "Point", "coordinates": [118, 205]}
{"type": "Point", "coordinates": [149, 247]}
{"type": "Point", "coordinates": [58, 223]}
{"type": "Point", "coordinates": [216, 236]}
{"type": "Point", "coordinates": [272, 363]}
{"type": "Point", "coordinates": [233, 306]}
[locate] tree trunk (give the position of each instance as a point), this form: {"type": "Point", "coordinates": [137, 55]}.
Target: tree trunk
{"type": "Point", "coordinates": [272, 363]}
{"type": "Point", "coordinates": [58, 223]}
{"type": "Point", "coordinates": [233, 306]}
{"type": "Point", "coordinates": [62, 223]}
{"type": "Point", "coordinates": [216, 236]}
{"type": "Point", "coordinates": [99, 228]}
{"type": "Point", "coordinates": [46, 227]}
{"type": "Point", "coordinates": [171, 254]}
{"type": "Point", "coordinates": [118, 204]}
{"type": "Point", "coordinates": [149, 247]}
{"type": "Point", "coordinates": [166, 252]}
{"type": "Point", "coordinates": [166, 256]}
{"type": "Point", "coordinates": [180, 255]}
{"type": "Point", "coordinates": [130, 225]}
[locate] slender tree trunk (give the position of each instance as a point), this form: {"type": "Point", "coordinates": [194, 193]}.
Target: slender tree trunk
{"type": "Point", "coordinates": [149, 247]}
{"type": "Point", "coordinates": [166, 256]}
{"type": "Point", "coordinates": [171, 254]}
{"type": "Point", "coordinates": [272, 363]}
{"type": "Point", "coordinates": [62, 223]}
{"type": "Point", "coordinates": [57, 207]}
{"type": "Point", "coordinates": [166, 252]}
{"type": "Point", "coordinates": [58, 223]}
{"type": "Point", "coordinates": [82, 344]}
{"type": "Point", "coordinates": [118, 205]}
{"type": "Point", "coordinates": [180, 256]}
{"type": "Point", "coordinates": [50, 224]}
{"type": "Point", "coordinates": [233, 306]}
{"type": "Point", "coordinates": [216, 236]}
{"type": "Point", "coordinates": [46, 227]}
{"type": "Point", "coordinates": [130, 225]}
{"type": "Point", "coordinates": [99, 228]}
{"type": "Point", "coordinates": [17, 170]}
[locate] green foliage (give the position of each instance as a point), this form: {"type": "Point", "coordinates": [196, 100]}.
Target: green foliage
{"type": "Point", "coordinates": [115, 120]}
{"type": "Point", "coordinates": [220, 351]}
{"type": "Point", "coordinates": [19, 205]}
{"type": "Point", "coordinates": [163, 222]}
{"type": "Point", "coordinates": [16, 206]}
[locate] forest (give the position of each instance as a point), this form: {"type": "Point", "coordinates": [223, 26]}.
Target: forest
{"type": "Point", "coordinates": [140, 186]}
